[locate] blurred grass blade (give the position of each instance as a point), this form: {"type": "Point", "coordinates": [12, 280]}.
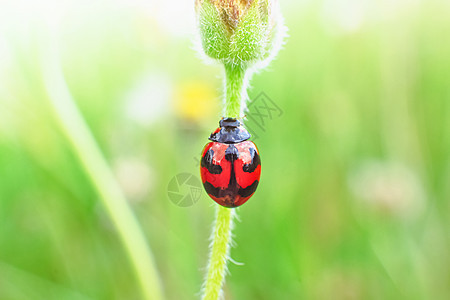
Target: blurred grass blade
{"type": "Point", "coordinates": [33, 285]}
{"type": "Point", "coordinates": [85, 147]}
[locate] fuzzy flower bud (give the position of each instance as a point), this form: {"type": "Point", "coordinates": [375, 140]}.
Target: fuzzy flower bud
{"type": "Point", "coordinates": [240, 32]}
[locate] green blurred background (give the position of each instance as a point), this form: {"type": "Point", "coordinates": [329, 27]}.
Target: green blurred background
{"type": "Point", "coordinates": [354, 195]}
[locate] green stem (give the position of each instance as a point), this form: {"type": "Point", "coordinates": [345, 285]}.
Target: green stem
{"type": "Point", "coordinates": [221, 241]}
{"type": "Point", "coordinates": [235, 85]}
{"type": "Point", "coordinates": [85, 147]}
{"type": "Point", "coordinates": [235, 89]}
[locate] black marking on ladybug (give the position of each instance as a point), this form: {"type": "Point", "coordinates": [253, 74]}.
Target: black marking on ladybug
{"type": "Point", "coordinates": [229, 193]}
{"type": "Point", "coordinates": [232, 154]}
{"type": "Point", "coordinates": [212, 190]}
{"type": "Point", "coordinates": [207, 162]}
{"type": "Point", "coordinates": [231, 132]}
{"type": "Point", "coordinates": [256, 161]}
{"type": "Point", "coordinates": [248, 191]}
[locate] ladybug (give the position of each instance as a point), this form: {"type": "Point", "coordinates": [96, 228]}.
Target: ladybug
{"type": "Point", "coordinates": [230, 166]}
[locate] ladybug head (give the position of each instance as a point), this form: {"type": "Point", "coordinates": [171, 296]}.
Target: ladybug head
{"type": "Point", "coordinates": [231, 131]}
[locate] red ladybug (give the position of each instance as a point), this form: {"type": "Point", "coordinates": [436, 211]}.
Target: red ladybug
{"type": "Point", "coordinates": [230, 166]}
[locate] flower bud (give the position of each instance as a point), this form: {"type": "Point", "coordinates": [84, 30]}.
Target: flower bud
{"type": "Point", "coordinates": [240, 32]}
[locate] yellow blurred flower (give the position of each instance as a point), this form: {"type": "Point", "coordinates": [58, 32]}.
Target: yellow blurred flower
{"type": "Point", "coordinates": [194, 100]}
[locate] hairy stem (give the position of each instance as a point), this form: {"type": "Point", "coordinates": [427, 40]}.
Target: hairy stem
{"type": "Point", "coordinates": [236, 94]}
{"type": "Point", "coordinates": [235, 89]}
{"type": "Point", "coordinates": [221, 240]}
{"type": "Point", "coordinates": [85, 147]}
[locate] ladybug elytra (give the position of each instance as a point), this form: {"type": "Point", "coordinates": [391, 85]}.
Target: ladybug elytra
{"type": "Point", "coordinates": [230, 166]}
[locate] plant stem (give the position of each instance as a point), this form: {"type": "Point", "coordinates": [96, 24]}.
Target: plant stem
{"type": "Point", "coordinates": [221, 241]}
{"type": "Point", "coordinates": [235, 95]}
{"type": "Point", "coordinates": [85, 147]}
{"type": "Point", "coordinates": [235, 89]}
